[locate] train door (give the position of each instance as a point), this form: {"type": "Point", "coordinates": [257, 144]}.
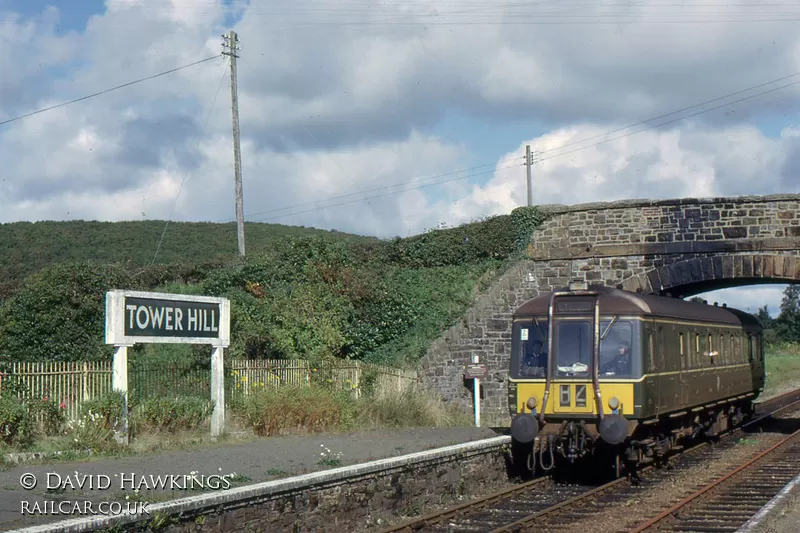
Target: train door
{"type": "Point", "coordinates": [683, 340]}
{"type": "Point", "coordinates": [650, 368]}
{"type": "Point", "coordinates": [666, 383]}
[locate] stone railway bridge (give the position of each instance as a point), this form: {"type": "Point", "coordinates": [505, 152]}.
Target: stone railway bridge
{"type": "Point", "coordinates": [681, 247]}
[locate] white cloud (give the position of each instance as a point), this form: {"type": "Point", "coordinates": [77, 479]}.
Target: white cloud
{"type": "Point", "coordinates": [750, 298]}
{"type": "Point", "coordinates": [336, 99]}
{"type": "Point", "coordinates": [698, 161]}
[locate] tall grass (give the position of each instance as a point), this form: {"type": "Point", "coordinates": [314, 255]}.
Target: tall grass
{"type": "Point", "coordinates": [413, 408]}
{"type": "Point", "coordinates": [782, 363]}
{"type": "Point", "coordinates": [316, 409]}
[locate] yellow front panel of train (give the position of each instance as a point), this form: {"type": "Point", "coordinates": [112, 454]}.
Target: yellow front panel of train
{"type": "Point", "coordinates": [571, 397]}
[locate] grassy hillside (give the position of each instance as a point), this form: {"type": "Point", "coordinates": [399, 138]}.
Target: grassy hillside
{"type": "Point", "coordinates": [316, 296]}
{"type": "Point", "coordinates": [29, 247]}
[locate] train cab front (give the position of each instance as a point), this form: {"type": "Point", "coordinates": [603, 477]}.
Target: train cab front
{"type": "Point", "coordinates": [555, 391]}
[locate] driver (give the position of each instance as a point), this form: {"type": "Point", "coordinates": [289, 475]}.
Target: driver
{"type": "Point", "coordinates": [622, 363]}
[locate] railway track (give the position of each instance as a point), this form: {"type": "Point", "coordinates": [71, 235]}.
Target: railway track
{"type": "Point", "coordinates": [728, 503]}
{"type": "Point", "coordinates": [544, 505]}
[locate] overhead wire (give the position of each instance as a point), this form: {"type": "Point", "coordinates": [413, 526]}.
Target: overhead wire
{"type": "Point", "coordinates": [539, 159]}
{"type": "Point", "coordinates": [186, 174]}
{"type": "Point", "coordinates": [105, 91]}
{"type": "Point", "coordinates": [386, 187]}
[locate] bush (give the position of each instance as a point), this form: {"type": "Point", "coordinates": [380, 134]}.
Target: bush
{"type": "Point", "coordinates": [171, 414]}
{"type": "Point", "coordinates": [16, 425]}
{"type": "Point", "coordinates": [272, 411]}
{"type": "Point", "coordinates": [412, 408]}
{"type": "Point", "coordinates": [95, 428]}
{"type": "Point", "coordinates": [23, 419]}
{"type": "Point", "coordinates": [48, 416]}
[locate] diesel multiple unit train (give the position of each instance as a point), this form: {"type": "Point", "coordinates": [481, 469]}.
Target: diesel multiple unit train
{"type": "Point", "coordinates": [597, 370]}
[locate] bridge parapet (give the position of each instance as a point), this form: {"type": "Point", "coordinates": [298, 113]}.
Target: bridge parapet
{"type": "Point", "coordinates": [679, 226]}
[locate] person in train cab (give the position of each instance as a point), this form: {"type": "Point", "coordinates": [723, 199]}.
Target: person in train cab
{"type": "Point", "coordinates": [535, 360]}
{"type": "Point", "coordinates": [621, 364]}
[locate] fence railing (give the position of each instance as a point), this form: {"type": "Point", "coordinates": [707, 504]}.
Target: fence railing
{"type": "Point", "coordinates": [73, 383]}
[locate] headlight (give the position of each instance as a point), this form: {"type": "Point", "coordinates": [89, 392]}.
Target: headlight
{"type": "Point", "coordinates": [613, 402]}
{"type": "Point", "coordinates": [532, 401]}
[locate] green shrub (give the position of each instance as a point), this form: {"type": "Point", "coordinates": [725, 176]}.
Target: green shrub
{"type": "Point", "coordinates": [272, 411]}
{"type": "Point", "coordinates": [48, 416]}
{"type": "Point", "coordinates": [97, 424]}
{"type": "Point", "coordinates": [16, 425]}
{"type": "Point", "coordinates": [412, 408]}
{"type": "Point", "coordinates": [105, 409]}
{"type": "Point", "coordinates": [171, 414]}
{"type": "Point", "coordinates": [23, 418]}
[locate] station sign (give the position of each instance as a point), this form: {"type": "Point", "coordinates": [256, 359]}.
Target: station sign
{"type": "Point", "coordinates": [134, 317]}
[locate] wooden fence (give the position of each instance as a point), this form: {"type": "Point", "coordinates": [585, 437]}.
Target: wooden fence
{"type": "Point", "coordinates": [72, 383]}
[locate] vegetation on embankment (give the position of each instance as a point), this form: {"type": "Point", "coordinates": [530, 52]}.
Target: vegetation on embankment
{"type": "Point", "coordinates": [782, 363]}
{"type": "Point", "coordinates": [307, 297]}
{"type": "Point", "coordinates": [31, 246]}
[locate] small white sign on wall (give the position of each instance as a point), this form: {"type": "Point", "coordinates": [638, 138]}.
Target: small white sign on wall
{"type": "Point", "coordinates": [523, 334]}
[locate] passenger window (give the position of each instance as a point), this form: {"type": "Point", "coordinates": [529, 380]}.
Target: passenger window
{"type": "Point", "coordinates": [651, 350]}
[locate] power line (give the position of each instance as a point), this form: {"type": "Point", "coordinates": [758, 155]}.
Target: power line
{"type": "Point", "coordinates": [672, 121]}
{"type": "Point", "coordinates": [558, 148]}
{"type": "Point", "coordinates": [387, 194]}
{"type": "Point", "coordinates": [400, 184]}
{"type": "Point", "coordinates": [748, 89]}
{"type": "Point", "coordinates": [186, 174]}
{"type": "Point", "coordinates": [87, 97]}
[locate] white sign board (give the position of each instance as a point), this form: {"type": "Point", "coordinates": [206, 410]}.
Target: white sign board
{"type": "Point", "coordinates": [151, 317]}
{"type": "Point", "coordinates": [147, 317]}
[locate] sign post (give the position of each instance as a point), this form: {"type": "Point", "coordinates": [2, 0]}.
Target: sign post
{"type": "Point", "coordinates": [149, 317]}
{"type": "Point", "coordinates": [476, 371]}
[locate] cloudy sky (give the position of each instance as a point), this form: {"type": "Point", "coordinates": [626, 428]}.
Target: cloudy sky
{"type": "Point", "coordinates": [387, 118]}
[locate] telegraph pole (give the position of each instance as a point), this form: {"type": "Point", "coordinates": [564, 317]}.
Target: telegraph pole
{"type": "Point", "coordinates": [528, 163]}
{"type": "Point", "coordinates": [230, 47]}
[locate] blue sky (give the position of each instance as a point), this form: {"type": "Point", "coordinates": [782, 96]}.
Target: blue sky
{"type": "Point", "coordinates": [390, 103]}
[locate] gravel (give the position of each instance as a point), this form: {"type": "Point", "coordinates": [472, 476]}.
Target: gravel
{"type": "Point", "coordinates": [784, 517]}
{"type": "Point", "coordinates": [674, 486]}
{"type": "Point", "coordinates": [261, 460]}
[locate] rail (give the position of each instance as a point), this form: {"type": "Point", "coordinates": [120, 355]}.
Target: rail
{"type": "Point", "coordinates": [521, 508]}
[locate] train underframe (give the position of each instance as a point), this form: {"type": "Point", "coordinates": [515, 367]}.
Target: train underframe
{"type": "Point", "coordinates": [569, 443]}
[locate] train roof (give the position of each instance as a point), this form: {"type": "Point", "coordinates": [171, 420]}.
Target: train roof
{"type": "Point", "coordinates": [618, 302]}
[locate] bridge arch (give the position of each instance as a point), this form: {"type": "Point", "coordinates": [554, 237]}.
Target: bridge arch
{"type": "Point", "coordinates": [689, 277]}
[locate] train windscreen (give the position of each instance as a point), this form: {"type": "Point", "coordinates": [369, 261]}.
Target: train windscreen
{"type": "Point", "coordinates": [572, 345]}
{"type": "Point", "coordinates": [616, 349]}
{"type": "Point", "coordinates": [529, 349]}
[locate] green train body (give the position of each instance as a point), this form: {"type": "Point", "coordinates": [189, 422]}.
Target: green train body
{"type": "Point", "coordinates": [630, 372]}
